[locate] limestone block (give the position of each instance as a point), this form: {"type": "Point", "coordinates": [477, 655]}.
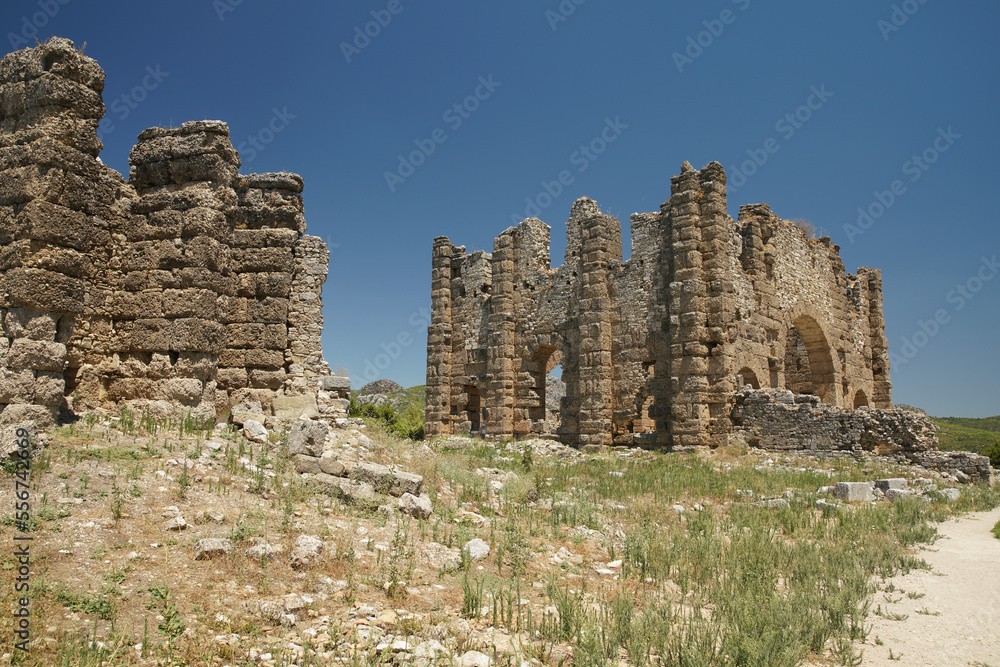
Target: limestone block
{"type": "Point", "coordinates": [183, 390]}
{"type": "Point", "coordinates": [43, 417]}
{"type": "Point", "coordinates": [476, 549]}
{"type": "Point", "coordinates": [36, 354]}
{"type": "Point", "coordinates": [854, 491]}
{"type": "Point", "coordinates": [43, 290]}
{"type": "Point", "coordinates": [26, 323]}
{"type": "Point", "coordinates": [386, 480]}
{"type": "Point", "coordinates": [355, 493]}
{"type": "Point", "coordinates": [261, 378]}
{"type": "Point", "coordinates": [306, 463]}
{"type": "Point", "coordinates": [17, 385]}
{"type": "Point", "coordinates": [331, 465]}
{"type": "Point", "coordinates": [334, 383]}
{"type": "Point", "coordinates": [294, 407]}
{"type": "Point", "coordinates": [892, 483]}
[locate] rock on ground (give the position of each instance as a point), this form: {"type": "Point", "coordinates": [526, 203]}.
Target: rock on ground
{"type": "Point", "coordinates": [307, 550]}
{"type": "Point", "coordinates": [212, 547]}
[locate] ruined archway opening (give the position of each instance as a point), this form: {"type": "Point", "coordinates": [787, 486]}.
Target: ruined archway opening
{"type": "Point", "coordinates": [747, 377]}
{"type": "Point", "coordinates": [473, 408]}
{"type": "Point", "coordinates": [544, 394]}
{"type": "Point", "coordinates": [808, 361]}
{"type": "Point", "coordinates": [860, 399]}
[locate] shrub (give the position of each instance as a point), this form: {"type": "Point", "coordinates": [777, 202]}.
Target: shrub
{"type": "Point", "coordinates": [993, 451]}
{"type": "Point", "coordinates": [407, 423]}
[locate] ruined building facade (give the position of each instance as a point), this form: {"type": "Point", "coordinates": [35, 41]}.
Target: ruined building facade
{"type": "Point", "coordinates": [653, 349]}
{"type": "Point", "coordinates": [185, 288]}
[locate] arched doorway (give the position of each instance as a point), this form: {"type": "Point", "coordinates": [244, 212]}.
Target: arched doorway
{"type": "Point", "coordinates": [747, 377]}
{"type": "Point", "coordinates": [860, 400]}
{"type": "Point", "coordinates": [543, 412]}
{"type": "Point", "coordinates": [809, 365]}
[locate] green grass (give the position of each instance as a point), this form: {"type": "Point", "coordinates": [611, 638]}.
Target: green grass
{"type": "Point", "coordinates": [996, 530]}
{"type": "Point", "coordinates": [970, 434]}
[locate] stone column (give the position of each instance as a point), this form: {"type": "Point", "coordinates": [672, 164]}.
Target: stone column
{"type": "Point", "coordinates": [501, 372]}
{"type": "Point", "coordinates": [882, 390]}
{"type": "Point", "coordinates": [178, 266]}
{"type": "Point", "coordinates": [685, 416]}
{"type": "Point", "coordinates": [599, 235]}
{"type": "Point", "coordinates": [439, 348]}
{"type": "Point", "coordinates": [52, 238]}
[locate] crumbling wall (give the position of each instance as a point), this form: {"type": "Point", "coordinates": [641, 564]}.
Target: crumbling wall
{"type": "Point", "coordinates": [651, 349]}
{"type": "Point", "coordinates": [185, 289]}
{"type": "Point", "coordinates": [777, 419]}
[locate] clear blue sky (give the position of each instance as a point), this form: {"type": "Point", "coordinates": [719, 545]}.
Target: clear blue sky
{"type": "Point", "coordinates": [888, 95]}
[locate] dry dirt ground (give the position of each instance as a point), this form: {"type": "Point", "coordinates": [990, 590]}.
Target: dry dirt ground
{"type": "Point", "coordinates": [951, 610]}
{"type": "Point", "coordinates": [107, 568]}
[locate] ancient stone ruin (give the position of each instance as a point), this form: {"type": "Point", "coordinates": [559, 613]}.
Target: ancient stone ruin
{"type": "Point", "coordinates": [187, 288]}
{"type": "Point", "coordinates": [653, 349]}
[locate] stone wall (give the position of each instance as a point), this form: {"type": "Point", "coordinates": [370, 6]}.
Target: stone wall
{"type": "Point", "coordinates": [652, 349]}
{"type": "Point", "coordinates": [186, 288]}
{"type": "Point", "coordinates": [778, 419]}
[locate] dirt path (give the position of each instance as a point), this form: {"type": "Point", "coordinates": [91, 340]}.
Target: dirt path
{"type": "Point", "coordinates": [955, 622]}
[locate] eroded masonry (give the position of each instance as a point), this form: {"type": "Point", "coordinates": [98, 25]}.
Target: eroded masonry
{"type": "Point", "coordinates": [654, 349]}
{"type": "Point", "coordinates": [187, 288]}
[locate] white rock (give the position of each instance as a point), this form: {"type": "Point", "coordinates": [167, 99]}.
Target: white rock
{"type": "Point", "coordinates": [255, 431]}
{"type": "Point", "coordinates": [474, 659]}
{"type": "Point", "coordinates": [415, 506]}
{"type": "Point", "coordinates": [476, 549]}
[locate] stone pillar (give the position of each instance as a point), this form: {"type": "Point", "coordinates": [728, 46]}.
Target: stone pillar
{"type": "Point", "coordinates": [691, 410]}
{"type": "Point", "coordinates": [304, 356]}
{"type": "Point", "coordinates": [882, 390]}
{"type": "Point", "coordinates": [268, 224]}
{"type": "Point", "coordinates": [600, 241]}
{"type": "Point", "coordinates": [437, 415]}
{"type": "Point", "coordinates": [52, 238]}
{"type": "Point", "coordinates": [501, 372]}
{"type": "Point", "coordinates": [719, 260]}
{"type": "Point", "coordinates": [178, 269]}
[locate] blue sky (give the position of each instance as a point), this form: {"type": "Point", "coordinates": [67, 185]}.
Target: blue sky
{"type": "Point", "coordinates": [678, 81]}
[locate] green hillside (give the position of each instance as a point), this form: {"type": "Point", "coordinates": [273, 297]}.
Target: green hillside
{"type": "Point", "coordinates": [968, 433]}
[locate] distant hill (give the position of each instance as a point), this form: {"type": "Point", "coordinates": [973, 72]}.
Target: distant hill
{"type": "Point", "coordinates": [398, 396]}
{"type": "Point", "coordinates": [969, 433]}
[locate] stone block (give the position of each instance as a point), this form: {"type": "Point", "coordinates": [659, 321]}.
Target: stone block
{"type": "Point", "coordinates": [306, 463]}
{"type": "Point", "coordinates": [387, 480]}
{"type": "Point", "coordinates": [331, 465]}
{"type": "Point", "coordinates": [36, 354]}
{"type": "Point", "coordinates": [894, 494]}
{"type": "Point", "coordinates": [296, 407]}
{"type": "Point", "coordinates": [307, 436]}
{"type": "Point", "coordinates": [854, 491]}
{"type": "Point", "coordinates": [265, 379]}
{"type": "Point", "coordinates": [334, 383]}
{"type": "Point", "coordinates": [891, 483]}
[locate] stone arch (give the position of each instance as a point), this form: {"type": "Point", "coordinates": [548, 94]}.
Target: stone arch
{"type": "Point", "coordinates": [860, 399]}
{"type": "Point", "coordinates": [809, 367]}
{"type": "Point", "coordinates": [539, 358]}
{"type": "Point", "coordinates": [747, 377]}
